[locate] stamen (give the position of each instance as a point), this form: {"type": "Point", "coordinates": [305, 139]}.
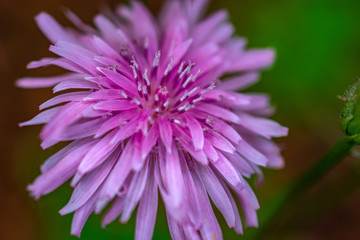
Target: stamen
{"type": "Point", "coordinates": [166, 103]}
{"type": "Point", "coordinates": [188, 107]}
{"type": "Point", "coordinates": [133, 61]}
{"type": "Point", "coordinates": [144, 89]}
{"type": "Point", "coordinates": [211, 87]}
{"type": "Point", "coordinates": [177, 121]}
{"type": "Point", "coordinates": [184, 96]}
{"type": "Point", "coordinates": [196, 75]}
{"type": "Point", "coordinates": [193, 90]}
{"type": "Point", "coordinates": [139, 86]}
{"type": "Point", "coordinates": [210, 120]}
{"type": "Point", "coordinates": [197, 100]}
{"type": "Point", "coordinates": [181, 67]}
{"type": "Point", "coordinates": [151, 120]}
{"type": "Point", "coordinates": [169, 67]}
{"type": "Point", "coordinates": [123, 94]}
{"type": "Point", "coordinates": [182, 107]}
{"type": "Point", "coordinates": [187, 81]}
{"type": "Point", "coordinates": [136, 101]}
{"type": "Point", "coordinates": [187, 69]}
{"type": "Point", "coordinates": [156, 97]}
{"type": "Point", "coordinates": [157, 59]}
{"type": "Point", "coordinates": [145, 76]}
{"type": "Point", "coordinates": [134, 71]}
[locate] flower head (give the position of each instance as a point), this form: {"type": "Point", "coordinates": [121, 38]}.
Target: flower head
{"type": "Point", "coordinates": [150, 111]}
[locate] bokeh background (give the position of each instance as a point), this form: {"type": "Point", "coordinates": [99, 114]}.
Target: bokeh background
{"type": "Point", "coordinates": [318, 57]}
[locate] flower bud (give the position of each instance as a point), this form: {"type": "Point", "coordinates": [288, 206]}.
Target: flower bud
{"type": "Point", "coordinates": [350, 114]}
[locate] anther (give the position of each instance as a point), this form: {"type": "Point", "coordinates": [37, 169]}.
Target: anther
{"type": "Point", "coordinates": [187, 81]}
{"type": "Point", "coordinates": [182, 107]}
{"type": "Point", "coordinates": [181, 67]}
{"type": "Point", "coordinates": [157, 59]}
{"type": "Point", "coordinates": [123, 94]}
{"type": "Point", "coordinates": [196, 75]}
{"type": "Point", "coordinates": [177, 121]}
{"type": "Point", "coordinates": [134, 71]}
{"type": "Point", "coordinates": [184, 96]}
{"type": "Point", "coordinates": [166, 103]}
{"type": "Point", "coordinates": [145, 76]}
{"type": "Point", "coordinates": [193, 90]}
{"type": "Point", "coordinates": [169, 67]}
{"type": "Point", "coordinates": [197, 100]}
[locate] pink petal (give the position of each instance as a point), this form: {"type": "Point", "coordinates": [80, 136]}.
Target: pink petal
{"type": "Point", "coordinates": [166, 133]}
{"type": "Point", "coordinates": [196, 132]}
{"type": "Point", "coordinates": [146, 216]}
{"type": "Point", "coordinates": [43, 117]}
{"type": "Point", "coordinates": [66, 97]}
{"type": "Point", "coordinates": [88, 185]}
{"type": "Point", "coordinates": [218, 111]}
{"type": "Point", "coordinates": [253, 60]}
{"type": "Point", "coordinates": [50, 27]}
{"type": "Point", "coordinates": [238, 82]}
{"type": "Point", "coordinates": [218, 195]}
{"type": "Point", "coordinates": [115, 105]}
{"type": "Point", "coordinates": [44, 82]}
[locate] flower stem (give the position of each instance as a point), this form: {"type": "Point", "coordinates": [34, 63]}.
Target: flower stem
{"type": "Point", "coordinates": [271, 219]}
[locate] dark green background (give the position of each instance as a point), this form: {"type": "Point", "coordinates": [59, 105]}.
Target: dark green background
{"type": "Point", "coordinates": [318, 56]}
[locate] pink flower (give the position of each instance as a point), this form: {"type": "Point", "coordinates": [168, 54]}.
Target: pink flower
{"type": "Point", "coordinates": [151, 112]}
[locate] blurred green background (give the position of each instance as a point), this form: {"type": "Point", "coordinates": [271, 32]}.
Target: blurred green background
{"type": "Point", "coordinates": [318, 56]}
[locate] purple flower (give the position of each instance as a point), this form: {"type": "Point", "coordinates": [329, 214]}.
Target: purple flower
{"type": "Point", "coordinates": [152, 112]}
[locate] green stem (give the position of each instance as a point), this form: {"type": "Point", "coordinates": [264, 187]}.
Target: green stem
{"type": "Point", "coordinates": [287, 198]}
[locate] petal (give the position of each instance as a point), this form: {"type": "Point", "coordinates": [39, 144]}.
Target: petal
{"type": "Point", "coordinates": [68, 114]}
{"type": "Point", "coordinates": [251, 154]}
{"type": "Point", "coordinates": [51, 161]}
{"type": "Point", "coordinates": [253, 60]}
{"type": "Point", "coordinates": [44, 82]}
{"type": "Point", "coordinates": [88, 185]}
{"type": "Point", "coordinates": [146, 215]}
{"type": "Point", "coordinates": [76, 57]}
{"type": "Point", "coordinates": [218, 111]}
{"type": "Point", "coordinates": [81, 129]}
{"type": "Point", "coordinates": [115, 105]}
{"type": "Point", "coordinates": [120, 80]}
{"type": "Point", "coordinates": [81, 215]}
{"type": "Point", "coordinates": [74, 84]}
{"type": "Point", "coordinates": [225, 129]}
{"type": "Point", "coordinates": [114, 211]}
{"type": "Point", "coordinates": [174, 178]}
{"type": "Point", "coordinates": [262, 126]}
{"type": "Point", "coordinates": [66, 97]}
{"type": "Point", "coordinates": [196, 132]}
{"type": "Point", "coordinates": [238, 82]}
{"type": "Point", "coordinates": [59, 173]}
{"type": "Point", "coordinates": [43, 117]}
{"type": "Point", "coordinates": [227, 170]}
{"type": "Point", "coordinates": [150, 140]}
{"type": "Point", "coordinates": [219, 141]}
{"type": "Point", "coordinates": [135, 192]}
{"type": "Point", "coordinates": [115, 121]}
{"type": "Point", "coordinates": [51, 28]}
{"type": "Point", "coordinates": [119, 173]}
{"type": "Point", "coordinates": [217, 194]}
{"type": "Point", "coordinates": [98, 154]}
{"type": "Point", "coordinates": [104, 94]}
{"type": "Point", "coordinates": [166, 133]}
